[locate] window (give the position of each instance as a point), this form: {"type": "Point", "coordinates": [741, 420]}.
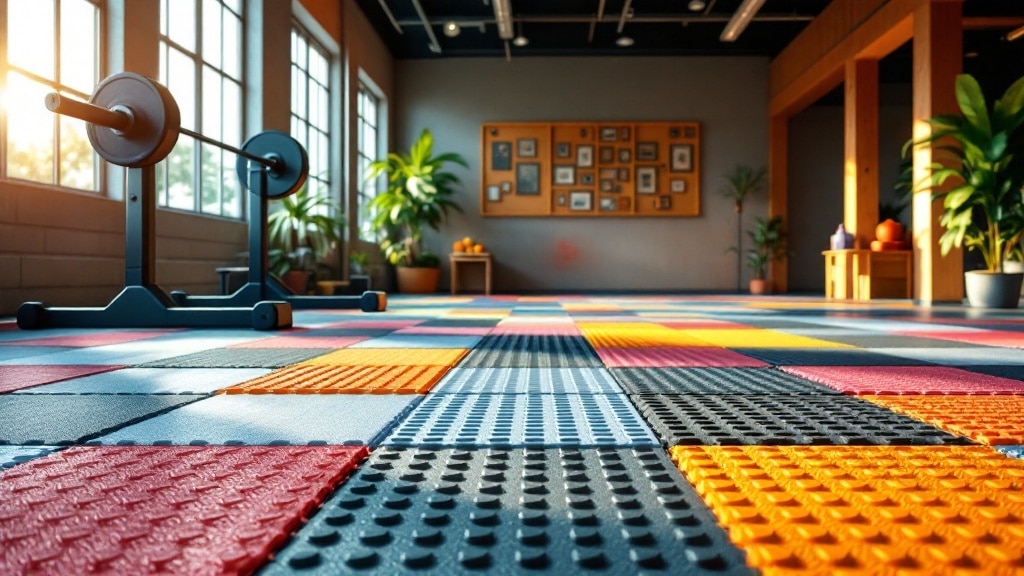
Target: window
{"type": "Point", "coordinates": [368, 127]}
{"type": "Point", "coordinates": [201, 63]}
{"type": "Point", "coordinates": [311, 98]}
{"type": "Point", "coordinates": [51, 46]}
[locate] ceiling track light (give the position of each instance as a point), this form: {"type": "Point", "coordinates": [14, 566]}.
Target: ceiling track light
{"type": "Point", "coordinates": [452, 29]}
{"type": "Point", "coordinates": [624, 41]}
{"type": "Point", "coordinates": [520, 40]}
{"type": "Point", "coordinates": [696, 5]}
{"type": "Point", "coordinates": [435, 46]}
{"type": "Point", "coordinates": [503, 15]}
{"type": "Point", "coordinates": [744, 14]}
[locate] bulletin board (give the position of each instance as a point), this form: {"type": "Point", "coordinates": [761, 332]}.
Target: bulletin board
{"type": "Point", "coordinates": [597, 169]}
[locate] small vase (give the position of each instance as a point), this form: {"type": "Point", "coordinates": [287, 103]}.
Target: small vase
{"type": "Point", "coordinates": [842, 239]}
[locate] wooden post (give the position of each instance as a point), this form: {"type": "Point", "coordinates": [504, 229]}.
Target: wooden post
{"type": "Point", "coordinates": [778, 191]}
{"type": "Point", "coordinates": [860, 181]}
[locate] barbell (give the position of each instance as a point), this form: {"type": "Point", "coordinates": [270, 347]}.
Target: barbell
{"type": "Point", "coordinates": [134, 121]}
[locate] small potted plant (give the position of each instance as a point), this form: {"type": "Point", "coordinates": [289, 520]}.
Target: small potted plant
{"type": "Point", "coordinates": [302, 229]}
{"type": "Point", "coordinates": [742, 181]}
{"type": "Point", "coordinates": [769, 244]}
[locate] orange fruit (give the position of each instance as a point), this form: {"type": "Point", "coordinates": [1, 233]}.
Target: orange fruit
{"type": "Point", "coordinates": [458, 246]}
{"type": "Point", "coordinates": [478, 249]}
{"type": "Point", "coordinates": [467, 242]}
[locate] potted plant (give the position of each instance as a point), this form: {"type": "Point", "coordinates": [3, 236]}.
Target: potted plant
{"type": "Point", "coordinates": [984, 162]}
{"type": "Point", "coordinates": [419, 193]}
{"type": "Point", "coordinates": [742, 181]}
{"type": "Point", "coordinates": [769, 244]}
{"type": "Point", "coordinates": [302, 229]}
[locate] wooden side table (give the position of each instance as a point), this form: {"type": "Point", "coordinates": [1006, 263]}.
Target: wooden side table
{"type": "Point", "coordinates": [865, 275]}
{"type": "Point", "coordinates": [456, 258]}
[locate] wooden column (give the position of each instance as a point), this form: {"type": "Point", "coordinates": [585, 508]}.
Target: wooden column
{"type": "Point", "coordinates": [778, 186]}
{"type": "Point", "coordinates": [860, 178]}
{"type": "Point", "coordinates": [938, 53]}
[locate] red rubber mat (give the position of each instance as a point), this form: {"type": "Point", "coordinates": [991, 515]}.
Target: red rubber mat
{"type": "Point", "coordinates": [681, 356]}
{"type": "Point", "coordinates": [17, 377]}
{"type": "Point", "coordinates": [906, 380]}
{"type": "Point", "coordinates": [303, 342]}
{"type": "Point", "coordinates": [186, 510]}
{"type": "Point", "coordinates": [87, 340]}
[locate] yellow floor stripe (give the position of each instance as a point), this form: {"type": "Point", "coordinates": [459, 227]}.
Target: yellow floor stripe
{"type": "Point", "coordinates": [301, 379]}
{"type": "Point", "coordinates": [389, 357]}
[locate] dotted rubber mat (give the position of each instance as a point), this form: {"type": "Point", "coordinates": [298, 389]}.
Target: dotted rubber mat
{"type": "Point", "coordinates": [518, 420]}
{"type": "Point", "coordinates": [389, 357]}
{"type": "Point", "coordinates": [527, 381]}
{"type": "Point", "coordinates": [985, 419]}
{"type": "Point", "coordinates": [781, 420]}
{"type": "Point", "coordinates": [191, 510]}
{"type": "Point", "coordinates": [829, 357]}
{"type": "Point", "coordinates": [678, 357]}
{"type": "Point", "coordinates": [20, 377]}
{"type": "Point", "coordinates": [714, 381]}
{"type": "Point", "coordinates": [529, 351]}
{"type": "Point", "coordinates": [11, 456]}
{"type": "Point", "coordinates": [906, 380]}
{"type": "Point", "coordinates": [67, 419]}
{"type": "Point", "coordinates": [323, 379]}
{"type": "Point", "coordinates": [513, 512]}
{"type": "Point", "coordinates": [937, 510]}
{"type": "Point", "coordinates": [151, 381]}
{"type": "Point", "coordinates": [239, 358]}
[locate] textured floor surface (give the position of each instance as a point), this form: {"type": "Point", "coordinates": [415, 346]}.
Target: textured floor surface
{"type": "Point", "coordinates": [523, 435]}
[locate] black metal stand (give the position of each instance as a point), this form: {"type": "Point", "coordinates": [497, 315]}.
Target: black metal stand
{"type": "Point", "coordinates": [142, 303]}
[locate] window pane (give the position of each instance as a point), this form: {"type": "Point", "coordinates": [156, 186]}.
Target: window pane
{"type": "Point", "coordinates": [78, 45]}
{"type": "Point", "coordinates": [181, 20]}
{"type": "Point", "coordinates": [181, 80]}
{"type": "Point", "coordinates": [232, 38]}
{"type": "Point", "coordinates": [180, 190]}
{"type": "Point", "coordinates": [77, 157]}
{"type": "Point", "coordinates": [232, 116]}
{"type": "Point", "coordinates": [211, 33]}
{"type": "Point", "coordinates": [210, 178]}
{"type": "Point", "coordinates": [30, 36]}
{"type": "Point", "coordinates": [30, 129]}
{"type": "Point", "coordinates": [212, 104]}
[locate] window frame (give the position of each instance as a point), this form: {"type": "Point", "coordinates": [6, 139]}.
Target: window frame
{"type": "Point", "coordinates": [325, 178]}
{"type": "Point", "coordinates": [367, 89]}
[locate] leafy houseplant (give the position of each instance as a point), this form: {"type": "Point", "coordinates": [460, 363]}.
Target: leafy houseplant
{"type": "Point", "coordinates": [742, 181]}
{"type": "Point", "coordinates": [769, 244]}
{"type": "Point", "coordinates": [985, 165]}
{"type": "Point", "coordinates": [303, 228]}
{"type": "Point", "coordinates": [419, 193]}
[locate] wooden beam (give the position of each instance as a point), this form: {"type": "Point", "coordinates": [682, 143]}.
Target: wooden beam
{"type": "Point", "coordinates": [990, 22]}
{"type": "Point", "coordinates": [938, 50]}
{"type": "Point", "coordinates": [860, 165]}
{"type": "Point", "coordinates": [778, 185]}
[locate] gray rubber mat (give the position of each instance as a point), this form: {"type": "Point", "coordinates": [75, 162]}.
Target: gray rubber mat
{"type": "Point", "coordinates": [782, 420]}
{"type": "Point", "coordinates": [894, 341]}
{"type": "Point", "coordinates": [527, 381]}
{"type": "Point", "coordinates": [1014, 372]}
{"type": "Point", "coordinates": [65, 419]}
{"type": "Point", "coordinates": [714, 381]}
{"type": "Point", "coordinates": [531, 351]}
{"type": "Point", "coordinates": [827, 357]}
{"type": "Point", "coordinates": [240, 358]}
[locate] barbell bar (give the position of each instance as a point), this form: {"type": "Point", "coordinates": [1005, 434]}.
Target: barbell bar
{"type": "Point", "coordinates": [133, 121]}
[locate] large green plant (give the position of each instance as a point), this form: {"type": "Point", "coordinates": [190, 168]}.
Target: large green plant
{"type": "Point", "coordinates": [742, 181]}
{"type": "Point", "coordinates": [419, 193]}
{"type": "Point", "coordinates": [769, 243]}
{"type": "Point", "coordinates": [984, 164]}
{"type": "Point", "coordinates": [302, 220]}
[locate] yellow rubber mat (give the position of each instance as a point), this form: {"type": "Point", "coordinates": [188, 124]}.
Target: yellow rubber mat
{"type": "Point", "coordinates": [758, 338]}
{"type": "Point", "coordinates": [343, 380]}
{"type": "Point", "coordinates": [389, 357]}
{"type": "Point", "coordinates": [649, 336]}
{"type": "Point", "coordinates": [992, 420]}
{"type": "Point", "coordinates": [831, 510]}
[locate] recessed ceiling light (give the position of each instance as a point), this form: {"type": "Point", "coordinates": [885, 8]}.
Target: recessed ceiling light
{"type": "Point", "coordinates": [452, 29]}
{"type": "Point", "coordinates": [624, 41]}
{"type": "Point", "coordinates": [696, 5]}
{"type": "Point", "coordinates": [520, 40]}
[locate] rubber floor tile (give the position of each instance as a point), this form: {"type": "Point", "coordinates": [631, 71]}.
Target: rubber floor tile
{"type": "Point", "coordinates": [536, 329]}
{"type": "Point", "coordinates": [1012, 372]}
{"type": "Point", "coordinates": [20, 377]}
{"type": "Point", "coordinates": [758, 338]}
{"type": "Point", "coordinates": [239, 358]}
{"type": "Point", "coordinates": [568, 511]}
{"type": "Point", "coordinates": [304, 342]}
{"type": "Point", "coordinates": [141, 351]}
{"type": "Point", "coordinates": [389, 357]}
{"type": "Point", "coordinates": [936, 510]}
{"type": "Point", "coordinates": [347, 332]}
{"type": "Point", "coordinates": [781, 420]}
{"type": "Point", "coordinates": [323, 379]}
{"type": "Point", "coordinates": [991, 420]}
{"type": "Point", "coordinates": [419, 341]}
{"type": "Point", "coordinates": [906, 380]}
{"type": "Point", "coordinates": [90, 339]}
{"type": "Point", "coordinates": [1005, 338]}
{"type": "Point", "coordinates": [519, 420]}
{"type": "Point", "coordinates": [361, 323]}
{"type": "Point", "coordinates": [650, 337]}
{"type": "Point", "coordinates": [830, 357]}
{"type": "Point", "coordinates": [528, 381]}
{"type": "Point", "coordinates": [271, 419]}
{"type": "Point", "coordinates": [152, 381]}
{"type": "Point", "coordinates": [60, 420]}
{"type": "Point", "coordinates": [863, 340]}
{"type": "Point", "coordinates": [443, 330]}
{"type": "Point", "coordinates": [528, 351]}
{"type": "Point", "coordinates": [11, 456]}
{"type": "Point", "coordinates": [460, 323]}
{"type": "Point", "coordinates": [980, 355]}
{"type": "Point", "coordinates": [185, 510]}
{"type": "Point", "coordinates": [694, 357]}
{"type": "Point", "coordinates": [714, 381]}
{"type": "Point", "coordinates": [1012, 451]}
{"type": "Point", "coordinates": [23, 354]}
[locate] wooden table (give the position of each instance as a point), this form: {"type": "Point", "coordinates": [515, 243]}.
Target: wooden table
{"type": "Point", "coordinates": [866, 274]}
{"type": "Point", "coordinates": [456, 258]}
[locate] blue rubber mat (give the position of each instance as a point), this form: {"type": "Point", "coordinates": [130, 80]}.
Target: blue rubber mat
{"type": "Point", "coordinates": [27, 354]}
{"type": "Point", "coordinates": [1013, 451]}
{"type": "Point", "coordinates": [527, 381]}
{"type": "Point", "coordinates": [13, 455]}
{"type": "Point", "coordinates": [152, 381]}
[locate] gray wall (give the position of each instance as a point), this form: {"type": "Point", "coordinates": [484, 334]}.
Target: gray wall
{"type": "Point", "coordinates": [727, 95]}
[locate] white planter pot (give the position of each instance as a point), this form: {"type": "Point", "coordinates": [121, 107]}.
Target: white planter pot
{"type": "Point", "coordinates": [993, 289]}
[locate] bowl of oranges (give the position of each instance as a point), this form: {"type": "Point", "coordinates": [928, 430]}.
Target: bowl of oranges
{"type": "Point", "coordinates": [468, 246]}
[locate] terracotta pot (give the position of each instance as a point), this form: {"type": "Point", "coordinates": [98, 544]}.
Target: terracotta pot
{"type": "Point", "coordinates": [760, 286]}
{"type": "Point", "coordinates": [417, 280]}
{"type": "Point", "coordinates": [889, 231]}
{"type": "Point", "coordinates": [296, 281]}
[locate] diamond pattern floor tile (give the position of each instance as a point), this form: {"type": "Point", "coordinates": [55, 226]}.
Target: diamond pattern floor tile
{"type": "Point", "coordinates": [988, 420]}
{"type": "Point", "coordinates": [714, 381]}
{"type": "Point", "coordinates": [21, 377]}
{"type": "Point", "coordinates": [906, 380]}
{"type": "Point", "coordinates": [527, 381]}
{"type": "Point", "coordinates": [693, 357]}
{"type": "Point", "coordinates": [323, 379]}
{"type": "Point", "coordinates": [528, 351]}
{"type": "Point", "coordinates": [152, 381]}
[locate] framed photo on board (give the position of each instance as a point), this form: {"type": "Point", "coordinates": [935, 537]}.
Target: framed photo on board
{"type": "Point", "coordinates": [678, 186]}
{"type": "Point", "coordinates": [527, 147]}
{"type": "Point", "coordinates": [581, 200]}
{"type": "Point", "coordinates": [607, 154]}
{"type": "Point", "coordinates": [501, 156]}
{"type": "Point", "coordinates": [565, 175]}
{"type": "Point", "coordinates": [528, 178]}
{"type": "Point", "coordinates": [562, 149]}
{"type": "Point", "coordinates": [494, 193]}
{"type": "Point", "coordinates": [646, 180]}
{"type": "Point", "coordinates": [584, 156]}
{"type": "Point", "coordinates": [646, 151]}
{"type": "Point", "coordinates": [682, 158]}
{"type": "Point", "coordinates": [609, 134]}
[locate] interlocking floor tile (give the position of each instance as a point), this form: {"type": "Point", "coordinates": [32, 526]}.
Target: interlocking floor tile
{"type": "Point", "coordinates": [911, 340]}
{"type": "Point", "coordinates": [693, 357]}
{"type": "Point", "coordinates": [152, 381]}
{"type": "Point", "coordinates": [443, 331]}
{"type": "Point", "coordinates": [831, 357]}
{"type": "Point", "coordinates": [66, 419]}
{"type": "Point", "coordinates": [270, 419]}
{"type": "Point", "coordinates": [184, 510]}
{"type": "Point", "coordinates": [20, 377]}
{"type": "Point", "coordinates": [460, 323]}
{"type": "Point", "coordinates": [1005, 338]}
{"type": "Point", "coordinates": [1011, 371]}
{"type": "Point", "coordinates": [977, 355]}
{"type": "Point", "coordinates": [11, 456]}
{"type": "Point", "coordinates": [527, 381]}
{"type": "Point", "coordinates": [649, 336]}
{"type": "Point", "coordinates": [25, 354]}
{"type": "Point", "coordinates": [600, 511]}
{"type": "Point", "coordinates": [389, 357]}
{"type": "Point", "coordinates": [143, 351]}
{"type": "Point", "coordinates": [323, 379]}
{"type": "Point", "coordinates": [1013, 451]}
{"type": "Point", "coordinates": [988, 420]}
{"type": "Point", "coordinates": [298, 341]}
{"type": "Point", "coordinates": [536, 329]}
{"type": "Point", "coordinates": [90, 338]}
{"type": "Point", "coordinates": [781, 420]}
{"type": "Point", "coordinates": [758, 338]}
{"type": "Point", "coordinates": [936, 510]}
{"type": "Point", "coordinates": [395, 340]}
{"type": "Point", "coordinates": [529, 351]}
{"type": "Point", "coordinates": [519, 420]}
{"type": "Point", "coordinates": [906, 380]}
{"type": "Point", "coordinates": [239, 358]}
{"type": "Point", "coordinates": [713, 381]}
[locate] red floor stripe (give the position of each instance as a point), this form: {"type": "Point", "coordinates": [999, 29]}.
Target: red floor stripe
{"type": "Point", "coordinates": [23, 376]}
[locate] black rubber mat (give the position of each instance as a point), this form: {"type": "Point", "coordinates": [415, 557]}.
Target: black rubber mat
{"type": "Point", "coordinates": [1003, 371]}
{"type": "Point", "coordinates": [894, 341]}
{"type": "Point", "coordinates": [603, 511]}
{"type": "Point", "coordinates": [240, 358]}
{"type": "Point", "coordinates": [51, 419]}
{"type": "Point", "coordinates": [782, 420]}
{"type": "Point", "coordinates": [531, 351]}
{"type": "Point", "coordinates": [826, 357]}
{"type": "Point", "coordinates": [714, 381]}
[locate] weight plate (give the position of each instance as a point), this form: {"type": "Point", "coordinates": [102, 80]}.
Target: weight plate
{"type": "Point", "coordinates": [155, 121]}
{"type": "Point", "coordinates": [292, 162]}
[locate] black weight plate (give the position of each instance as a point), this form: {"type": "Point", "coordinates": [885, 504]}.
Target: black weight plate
{"type": "Point", "coordinates": [292, 162]}
{"type": "Point", "coordinates": [155, 121]}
